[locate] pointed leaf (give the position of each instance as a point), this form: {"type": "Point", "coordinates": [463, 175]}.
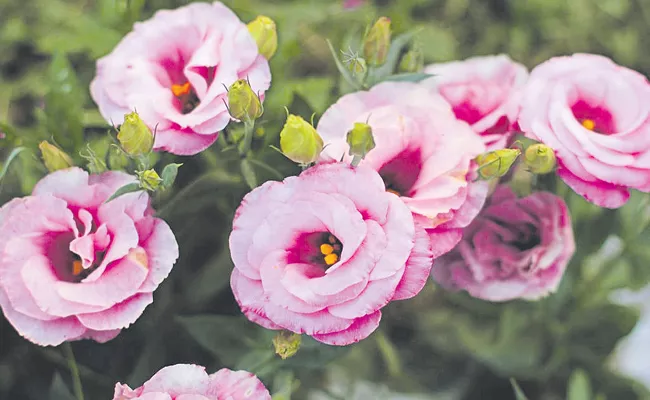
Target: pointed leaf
{"type": "Point", "coordinates": [64, 104]}
{"type": "Point", "coordinates": [248, 173]}
{"type": "Point", "coordinates": [347, 75]}
{"type": "Point", "coordinates": [169, 175]}
{"type": "Point", "coordinates": [7, 163]}
{"type": "Point", "coordinates": [519, 394]}
{"type": "Point", "coordinates": [408, 77]}
{"type": "Point", "coordinates": [579, 387]}
{"type": "Point", "coordinates": [128, 188]}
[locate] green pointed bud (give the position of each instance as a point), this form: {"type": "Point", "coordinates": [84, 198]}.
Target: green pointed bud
{"type": "Point", "coordinates": [53, 157]}
{"type": "Point", "coordinates": [265, 34]}
{"type": "Point", "coordinates": [495, 164]}
{"type": "Point", "coordinates": [540, 159]}
{"type": "Point", "coordinates": [243, 102]}
{"type": "Point", "coordinates": [149, 180]}
{"type": "Point", "coordinates": [286, 344]}
{"type": "Point", "coordinates": [377, 42]}
{"type": "Point", "coordinates": [135, 136]}
{"type": "Point", "coordinates": [413, 61]}
{"type": "Point", "coordinates": [361, 141]}
{"type": "Point", "coordinates": [299, 141]}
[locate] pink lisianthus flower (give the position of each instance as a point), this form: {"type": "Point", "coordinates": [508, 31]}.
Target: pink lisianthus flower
{"type": "Point", "coordinates": [324, 252]}
{"type": "Point", "coordinates": [172, 70]}
{"type": "Point", "coordinates": [596, 116]}
{"type": "Point", "coordinates": [484, 92]}
{"type": "Point", "coordinates": [73, 267]}
{"type": "Point", "coordinates": [515, 248]}
{"type": "Point", "coordinates": [191, 382]}
{"type": "Point", "coordinates": [423, 154]}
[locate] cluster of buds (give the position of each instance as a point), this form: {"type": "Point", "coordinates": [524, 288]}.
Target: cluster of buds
{"type": "Point", "coordinates": [538, 158]}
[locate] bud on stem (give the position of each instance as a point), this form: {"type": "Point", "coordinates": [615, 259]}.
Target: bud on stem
{"type": "Point", "coordinates": [243, 103]}
{"type": "Point", "coordinates": [361, 141]}
{"type": "Point", "coordinates": [496, 164]}
{"type": "Point", "coordinates": [265, 34]}
{"type": "Point", "coordinates": [134, 135]}
{"type": "Point", "coordinates": [377, 42]}
{"type": "Point", "coordinates": [540, 159]}
{"type": "Point", "coordinates": [299, 141]}
{"type": "Point", "coordinates": [53, 157]}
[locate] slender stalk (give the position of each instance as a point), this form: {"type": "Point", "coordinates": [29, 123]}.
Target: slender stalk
{"type": "Point", "coordinates": [249, 127]}
{"type": "Point", "coordinates": [74, 371]}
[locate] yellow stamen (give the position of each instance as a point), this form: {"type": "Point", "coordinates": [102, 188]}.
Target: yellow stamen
{"type": "Point", "coordinates": [77, 267]}
{"type": "Point", "coordinates": [331, 259]}
{"type": "Point", "coordinates": [395, 192]}
{"type": "Point", "coordinates": [589, 124]}
{"type": "Point", "coordinates": [180, 90]}
{"type": "Point", "coordinates": [326, 249]}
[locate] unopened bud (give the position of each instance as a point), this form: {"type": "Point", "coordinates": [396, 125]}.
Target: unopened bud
{"type": "Point", "coordinates": [243, 103]}
{"type": "Point", "coordinates": [134, 135]}
{"type": "Point", "coordinates": [413, 61]}
{"type": "Point", "coordinates": [299, 141]}
{"type": "Point", "coordinates": [53, 157]}
{"type": "Point", "coordinates": [286, 344]}
{"type": "Point", "coordinates": [265, 34]}
{"type": "Point", "coordinates": [495, 164]}
{"type": "Point", "coordinates": [360, 140]}
{"type": "Point", "coordinates": [150, 180]}
{"type": "Point", "coordinates": [539, 158]}
{"type": "Point", "coordinates": [377, 42]}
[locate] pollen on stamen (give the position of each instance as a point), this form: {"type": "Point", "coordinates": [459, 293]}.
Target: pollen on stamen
{"type": "Point", "coordinates": [589, 124]}
{"type": "Point", "coordinates": [77, 267]}
{"type": "Point", "coordinates": [326, 249]}
{"type": "Point", "coordinates": [180, 90]}
{"type": "Point", "coordinates": [331, 259]}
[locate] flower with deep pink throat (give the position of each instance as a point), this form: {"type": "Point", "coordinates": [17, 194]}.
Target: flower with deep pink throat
{"type": "Point", "coordinates": [422, 152]}
{"type": "Point", "coordinates": [515, 248]}
{"type": "Point", "coordinates": [74, 267]}
{"type": "Point", "coordinates": [322, 253]}
{"type": "Point", "coordinates": [191, 382]}
{"type": "Point", "coordinates": [174, 68]}
{"type": "Point", "coordinates": [484, 92]}
{"type": "Point", "coordinates": [595, 115]}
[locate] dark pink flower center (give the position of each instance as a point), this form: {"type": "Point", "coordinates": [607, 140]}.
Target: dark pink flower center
{"type": "Point", "coordinates": [401, 173]}
{"type": "Point", "coordinates": [318, 248]}
{"type": "Point", "coordinates": [467, 112]}
{"type": "Point", "coordinates": [596, 119]}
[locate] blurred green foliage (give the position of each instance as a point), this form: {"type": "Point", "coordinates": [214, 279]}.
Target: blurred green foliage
{"type": "Point", "coordinates": [436, 346]}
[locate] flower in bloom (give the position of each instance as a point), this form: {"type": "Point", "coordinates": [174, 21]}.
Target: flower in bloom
{"type": "Point", "coordinates": [422, 152]}
{"type": "Point", "coordinates": [172, 70]}
{"type": "Point", "coordinates": [191, 382]}
{"type": "Point", "coordinates": [596, 116]}
{"type": "Point", "coordinates": [516, 248]}
{"type": "Point", "coordinates": [323, 252]}
{"type": "Point", "coordinates": [74, 267]}
{"type": "Point", "coordinates": [483, 92]}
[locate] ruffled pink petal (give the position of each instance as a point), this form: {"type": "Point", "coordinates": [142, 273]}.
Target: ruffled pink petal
{"type": "Point", "coordinates": [237, 385]}
{"type": "Point", "coordinates": [359, 330]}
{"type": "Point", "coordinates": [418, 267]}
{"type": "Point", "coordinates": [600, 193]}
{"type": "Point", "coordinates": [158, 241]}
{"type": "Point", "coordinates": [179, 379]}
{"type": "Point", "coordinates": [119, 316]}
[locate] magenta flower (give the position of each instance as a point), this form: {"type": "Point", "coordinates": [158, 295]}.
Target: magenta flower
{"type": "Point", "coordinates": [596, 116]}
{"type": "Point", "coordinates": [516, 248]}
{"type": "Point", "coordinates": [423, 153]}
{"type": "Point", "coordinates": [191, 382]}
{"type": "Point", "coordinates": [172, 70]}
{"type": "Point", "coordinates": [323, 252]}
{"type": "Point", "coordinates": [73, 267]}
{"type": "Point", "coordinates": [484, 92]}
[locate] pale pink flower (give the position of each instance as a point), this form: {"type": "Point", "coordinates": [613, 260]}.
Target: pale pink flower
{"type": "Point", "coordinates": [484, 92]}
{"type": "Point", "coordinates": [515, 248]}
{"type": "Point", "coordinates": [423, 153]}
{"type": "Point", "coordinates": [352, 4]}
{"type": "Point", "coordinates": [596, 116]}
{"type": "Point", "coordinates": [172, 70]}
{"type": "Point", "coordinates": [73, 267]}
{"type": "Point", "coordinates": [323, 252]}
{"type": "Point", "coordinates": [191, 382]}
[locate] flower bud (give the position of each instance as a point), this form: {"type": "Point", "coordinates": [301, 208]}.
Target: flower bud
{"type": "Point", "coordinates": [360, 140]}
{"type": "Point", "coordinates": [413, 61]}
{"type": "Point", "coordinates": [266, 36]}
{"type": "Point", "coordinates": [53, 157]}
{"type": "Point", "coordinates": [286, 344]}
{"type": "Point", "coordinates": [299, 141]}
{"type": "Point", "coordinates": [357, 66]}
{"type": "Point", "coordinates": [377, 42]}
{"type": "Point", "coordinates": [134, 135]}
{"type": "Point", "coordinates": [495, 164]}
{"type": "Point", "coordinates": [243, 103]}
{"type": "Point", "coordinates": [539, 158]}
{"type": "Point", "coordinates": [150, 180]}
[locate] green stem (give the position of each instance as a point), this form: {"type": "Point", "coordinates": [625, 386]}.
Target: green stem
{"type": "Point", "coordinates": [389, 354]}
{"type": "Point", "coordinates": [249, 127]}
{"type": "Point", "coordinates": [356, 160]}
{"type": "Point", "coordinates": [74, 371]}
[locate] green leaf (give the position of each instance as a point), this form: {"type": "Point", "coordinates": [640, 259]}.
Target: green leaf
{"type": "Point", "coordinates": [248, 173]}
{"type": "Point", "coordinates": [397, 45]}
{"type": "Point", "coordinates": [408, 77]}
{"type": "Point", "coordinates": [169, 175]}
{"type": "Point", "coordinates": [226, 337]}
{"type": "Point", "coordinates": [347, 75]}
{"type": "Point", "coordinates": [58, 389]}
{"type": "Point", "coordinates": [579, 387]}
{"type": "Point", "coordinates": [283, 385]}
{"type": "Point", "coordinates": [128, 188]}
{"type": "Point", "coordinates": [12, 156]}
{"type": "Point", "coordinates": [519, 394]}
